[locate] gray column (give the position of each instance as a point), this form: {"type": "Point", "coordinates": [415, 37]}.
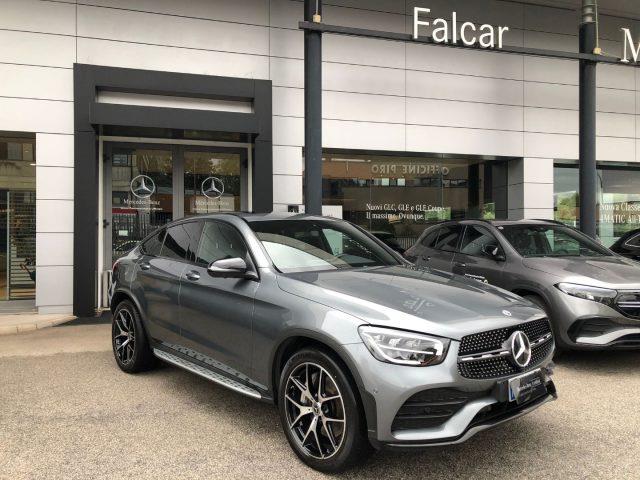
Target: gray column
{"type": "Point", "coordinates": [313, 111]}
{"type": "Point", "coordinates": [588, 174]}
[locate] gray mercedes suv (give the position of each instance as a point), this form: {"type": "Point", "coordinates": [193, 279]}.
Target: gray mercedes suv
{"type": "Point", "coordinates": [591, 295]}
{"type": "Point", "coordinates": [355, 346]}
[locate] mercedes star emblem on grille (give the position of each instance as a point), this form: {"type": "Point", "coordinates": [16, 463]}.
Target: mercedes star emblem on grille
{"type": "Point", "coordinates": [142, 186]}
{"type": "Point", "coordinates": [520, 348]}
{"type": "Point", "coordinates": [212, 187]}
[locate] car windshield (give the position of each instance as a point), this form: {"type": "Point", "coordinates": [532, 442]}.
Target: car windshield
{"type": "Point", "coordinates": [551, 241]}
{"type": "Point", "coordinates": [306, 245]}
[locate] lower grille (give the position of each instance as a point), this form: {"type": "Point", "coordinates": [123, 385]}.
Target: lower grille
{"type": "Point", "coordinates": [432, 408]}
{"type": "Point", "coordinates": [487, 358]}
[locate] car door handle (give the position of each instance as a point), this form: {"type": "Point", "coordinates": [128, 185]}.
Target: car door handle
{"type": "Point", "coordinates": [145, 266]}
{"type": "Point", "coordinates": [192, 275]}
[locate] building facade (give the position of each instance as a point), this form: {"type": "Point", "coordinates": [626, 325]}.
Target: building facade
{"type": "Point", "coordinates": [118, 116]}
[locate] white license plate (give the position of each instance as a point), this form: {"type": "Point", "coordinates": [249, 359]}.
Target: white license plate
{"type": "Point", "coordinates": [526, 386]}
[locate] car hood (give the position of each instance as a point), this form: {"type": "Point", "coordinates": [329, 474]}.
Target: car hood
{"type": "Point", "coordinates": [613, 272]}
{"type": "Point", "coordinates": [409, 298]}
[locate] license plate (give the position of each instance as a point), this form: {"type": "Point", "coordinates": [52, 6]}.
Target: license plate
{"type": "Point", "coordinates": [526, 387]}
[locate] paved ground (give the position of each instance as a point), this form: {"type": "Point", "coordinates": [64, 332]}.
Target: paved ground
{"type": "Point", "coordinates": [67, 412]}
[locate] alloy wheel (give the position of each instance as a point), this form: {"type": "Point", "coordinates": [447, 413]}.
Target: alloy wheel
{"type": "Point", "coordinates": [124, 336]}
{"type": "Point", "coordinates": [315, 410]}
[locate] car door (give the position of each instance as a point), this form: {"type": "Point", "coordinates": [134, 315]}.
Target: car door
{"type": "Point", "coordinates": [441, 255]}
{"type": "Point", "coordinates": [480, 256]}
{"type": "Point", "coordinates": [216, 313]}
{"type": "Point", "coordinates": [420, 252]}
{"type": "Point", "coordinates": [157, 285]}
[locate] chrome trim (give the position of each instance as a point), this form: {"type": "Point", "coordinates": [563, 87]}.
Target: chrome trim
{"type": "Point", "coordinates": [607, 337]}
{"type": "Point", "coordinates": [483, 356]}
{"type": "Point", "coordinates": [205, 373]}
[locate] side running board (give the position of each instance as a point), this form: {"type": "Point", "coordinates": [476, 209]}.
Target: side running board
{"type": "Point", "coordinates": [206, 373]}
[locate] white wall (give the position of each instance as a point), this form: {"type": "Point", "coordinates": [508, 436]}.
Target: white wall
{"type": "Point", "coordinates": [377, 94]}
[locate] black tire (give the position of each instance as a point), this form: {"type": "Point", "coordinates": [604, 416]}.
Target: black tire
{"type": "Point", "coordinates": [327, 451]}
{"type": "Point", "coordinates": [561, 346]}
{"type": "Point", "coordinates": [126, 325]}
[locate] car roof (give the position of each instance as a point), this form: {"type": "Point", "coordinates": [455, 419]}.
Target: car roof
{"type": "Point", "coordinates": [256, 217]}
{"type": "Point", "coordinates": [499, 223]}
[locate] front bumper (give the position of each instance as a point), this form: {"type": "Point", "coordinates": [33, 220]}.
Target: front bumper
{"type": "Point", "coordinates": [585, 324]}
{"type": "Point", "coordinates": [390, 386]}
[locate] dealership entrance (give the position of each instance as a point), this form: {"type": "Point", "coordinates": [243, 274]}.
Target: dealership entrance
{"type": "Point", "coordinates": [150, 182]}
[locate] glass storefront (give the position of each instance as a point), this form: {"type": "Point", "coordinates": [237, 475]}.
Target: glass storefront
{"type": "Point", "coordinates": [618, 195]}
{"type": "Point", "coordinates": [17, 218]}
{"type": "Point", "coordinates": [400, 195]}
{"type": "Point", "coordinates": [148, 185]}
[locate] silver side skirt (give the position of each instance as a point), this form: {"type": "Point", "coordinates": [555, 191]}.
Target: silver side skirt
{"type": "Point", "coordinates": [206, 373]}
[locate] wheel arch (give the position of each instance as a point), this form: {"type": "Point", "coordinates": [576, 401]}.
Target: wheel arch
{"type": "Point", "coordinates": [300, 340]}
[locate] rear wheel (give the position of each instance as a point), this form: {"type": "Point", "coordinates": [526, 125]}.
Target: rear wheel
{"type": "Point", "coordinates": [561, 346]}
{"type": "Point", "coordinates": [320, 413]}
{"type": "Point", "coordinates": [130, 344]}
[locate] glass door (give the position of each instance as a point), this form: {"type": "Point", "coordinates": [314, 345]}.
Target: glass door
{"type": "Point", "coordinates": [138, 193]}
{"type": "Point", "coordinates": [213, 180]}
{"type": "Point", "coordinates": [146, 185]}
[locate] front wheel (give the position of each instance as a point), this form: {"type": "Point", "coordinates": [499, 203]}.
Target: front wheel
{"type": "Point", "coordinates": [320, 413]}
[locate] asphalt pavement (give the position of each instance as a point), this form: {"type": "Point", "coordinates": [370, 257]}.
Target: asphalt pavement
{"type": "Point", "coordinates": [67, 412]}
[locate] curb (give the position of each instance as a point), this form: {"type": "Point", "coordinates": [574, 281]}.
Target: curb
{"type": "Point", "coordinates": [30, 326]}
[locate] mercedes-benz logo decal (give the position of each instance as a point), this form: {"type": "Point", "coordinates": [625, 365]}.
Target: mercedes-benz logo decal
{"type": "Point", "coordinates": [212, 187]}
{"type": "Point", "coordinates": [520, 348]}
{"type": "Point", "coordinates": [143, 186]}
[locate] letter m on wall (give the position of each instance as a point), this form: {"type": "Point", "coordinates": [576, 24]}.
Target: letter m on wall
{"type": "Point", "coordinates": [629, 44]}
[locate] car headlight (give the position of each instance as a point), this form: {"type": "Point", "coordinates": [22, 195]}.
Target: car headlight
{"type": "Point", "coordinates": [586, 292]}
{"type": "Point", "coordinates": [403, 348]}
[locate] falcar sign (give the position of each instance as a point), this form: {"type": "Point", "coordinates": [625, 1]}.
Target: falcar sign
{"type": "Point", "coordinates": [489, 36]}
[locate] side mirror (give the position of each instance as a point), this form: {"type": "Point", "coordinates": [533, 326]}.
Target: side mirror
{"type": "Point", "coordinates": [231, 268]}
{"type": "Point", "coordinates": [493, 252]}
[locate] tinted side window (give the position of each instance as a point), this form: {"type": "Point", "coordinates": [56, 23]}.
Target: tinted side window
{"type": "Point", "coordinates": [154, 244]}
{"type": "Point", "coordinates": [475, 239]}
{"type": "Point", "coordinates": [181, 241]}
{"type": "Point", "coordinates": [220, 241]}
{"type": "Point", "coordinates": [448, 238]}
{"type": "Point", "coordinates": [430, 238]}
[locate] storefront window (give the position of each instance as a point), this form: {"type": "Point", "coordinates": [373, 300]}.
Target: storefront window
{"type": "Point", "coordinates": [618, 195]}
{"type": "Point", "coordinates": [402, 194]}
{"type": "Point", "coordinates": [17, 218]}
{"type": "Point", "coordinates": [211, 182]}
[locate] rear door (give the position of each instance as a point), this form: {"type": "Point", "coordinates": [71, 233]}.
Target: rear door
{"type": "Point", "coordinates": [472, 261]}
{"type": "Point", "coordinates": [216, 313]}
{"type": "Point", "coordinates": [441, 255]}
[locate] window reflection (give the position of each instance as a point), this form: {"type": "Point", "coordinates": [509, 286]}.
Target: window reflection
{"type": "Point", "coordinates": [618, 197]}
{"type": "Point", "coordinates": [400, 195]}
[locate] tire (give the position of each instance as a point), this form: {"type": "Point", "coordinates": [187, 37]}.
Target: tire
{"type": "Point", "coordinates": [129, 341]}
{"type": "Point", "coordinates": [339, 439]}
{"type": "Point", "coordinates": [561, 346]}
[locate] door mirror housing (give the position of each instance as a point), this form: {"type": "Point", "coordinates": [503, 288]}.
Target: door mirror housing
{"type": "Point", "coordinates": [231, 268]}
{"type": "Point", "coordinates": [494, 252]}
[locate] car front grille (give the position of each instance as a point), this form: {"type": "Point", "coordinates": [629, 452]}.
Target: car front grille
{"type": "Point", "coordinates": [629, 304]}
{"type": "Point", "coordinates": [432, 408]}
{"type": "Point", "coordinates": [483, 355]}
